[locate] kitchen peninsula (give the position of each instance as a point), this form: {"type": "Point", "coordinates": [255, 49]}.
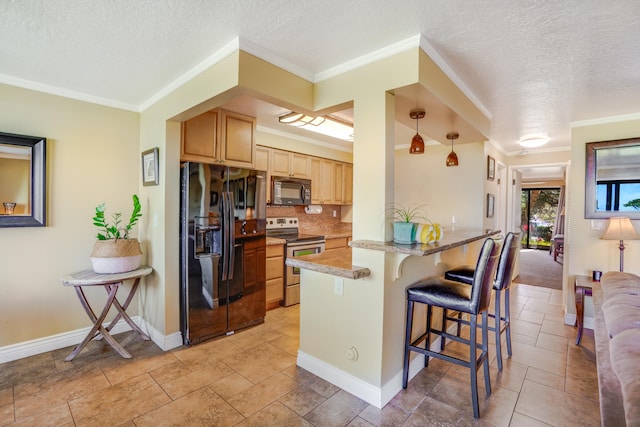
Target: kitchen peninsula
{"type": "Point", "coordinates": [351, 327]}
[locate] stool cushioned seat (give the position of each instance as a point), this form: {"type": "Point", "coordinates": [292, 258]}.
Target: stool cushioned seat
{"type": "Point", "coordinates": [450, 295]}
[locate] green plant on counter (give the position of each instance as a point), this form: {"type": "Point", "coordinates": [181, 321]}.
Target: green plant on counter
{"type": "Point", "coordinates": [400, 213]}
{"type": "Point", "coordinates": [114, 231]}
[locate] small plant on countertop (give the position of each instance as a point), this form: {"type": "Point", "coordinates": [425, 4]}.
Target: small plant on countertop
{"type": "Point", "coordinates": [114, 231]}
{"type": "Point", "coordinates": [400, 213]}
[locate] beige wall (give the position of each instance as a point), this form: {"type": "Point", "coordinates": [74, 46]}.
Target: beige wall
{"type": "Point", "coordinates": [445, 192]}
{"type": "Point", "coordinates": [93, 156]}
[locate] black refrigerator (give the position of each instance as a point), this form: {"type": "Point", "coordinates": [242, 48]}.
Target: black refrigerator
{"type": "Point", "coordinates": [222, 250]}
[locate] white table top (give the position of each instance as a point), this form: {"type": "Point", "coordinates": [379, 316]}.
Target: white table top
{"type": "Point", "coordinates": [90, 277]}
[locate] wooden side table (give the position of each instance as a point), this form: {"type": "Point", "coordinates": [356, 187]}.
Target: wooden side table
{"type": "Point", "coordinates": [111, 284]}
{"type": "Point", "coordinates": [582, 287]}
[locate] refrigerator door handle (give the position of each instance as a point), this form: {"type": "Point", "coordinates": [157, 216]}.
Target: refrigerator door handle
{"type": "Point", "coordinates": [232, 235]}
{"type": "Point", "coordinates": [225, 235]}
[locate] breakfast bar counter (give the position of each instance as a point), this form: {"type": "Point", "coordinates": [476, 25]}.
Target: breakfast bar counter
{"type": "Point", "coordinates": [336, 263]}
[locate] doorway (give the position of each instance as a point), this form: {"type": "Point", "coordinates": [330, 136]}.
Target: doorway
{"type": "Point", "coordinates": [539, 210]}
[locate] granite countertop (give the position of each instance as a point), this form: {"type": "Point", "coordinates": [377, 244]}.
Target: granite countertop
{"type": "Point", "coordinates": [451, 239]}
{"type": "Point", "coordinates": [336, 262]}
{"type": "Point", "coordinates": [337, 235]}
{"type": "Point", "coordinates": [275, 241]}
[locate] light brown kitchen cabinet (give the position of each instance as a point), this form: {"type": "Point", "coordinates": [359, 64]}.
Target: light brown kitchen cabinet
{"type": "Point", "coordinates": [347, 186]}
{"type": "Point", "coordinates": [326, 181]}
{"type": "Point", "coordinates": [290, 164]}
{"type": "Point", "coordinates": [275, 275]}
{"type": "Point", "coordinates": [335, 243]}
{"type": "Point", "coordinates": [338, 183]}
{"type": "Point", "coordinates": [238, 144]}
{"type": "Point", "coordinates": [200, 138]}
{"type": "Point", "coordinates": [219, 136]}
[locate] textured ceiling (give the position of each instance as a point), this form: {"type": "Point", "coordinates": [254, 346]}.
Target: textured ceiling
{"type": "Point", "coordinates": [535, 66]}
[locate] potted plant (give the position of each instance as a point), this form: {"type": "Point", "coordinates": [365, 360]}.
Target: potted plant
{"type": "Point", "coordinates": [115, 252]}
{"type": "Point", "coordinates": [404, 222]}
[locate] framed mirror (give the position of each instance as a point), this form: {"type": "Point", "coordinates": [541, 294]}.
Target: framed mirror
{"type": "Point", "coordinates": [612, 179]}
{"type": "Point", "coordinates": [22, 181]}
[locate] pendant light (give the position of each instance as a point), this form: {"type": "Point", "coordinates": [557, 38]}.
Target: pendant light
{"type": "Point", "coordinates": [452, 158]}
{"type": "Point", "coordinates": [417, 143]}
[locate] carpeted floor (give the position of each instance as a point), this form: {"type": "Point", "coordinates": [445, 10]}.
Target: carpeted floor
{"type": "Point", "coordinates": [538, 268]}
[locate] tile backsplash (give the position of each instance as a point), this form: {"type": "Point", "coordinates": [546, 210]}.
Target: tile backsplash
{"type": "Point", "coordinates": [323, 223]}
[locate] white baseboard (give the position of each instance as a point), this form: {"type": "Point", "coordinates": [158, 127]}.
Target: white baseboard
{"type": "Point", "coordinates": [373, 395]}
{"type": "Point", "coordinates": [67, 339]}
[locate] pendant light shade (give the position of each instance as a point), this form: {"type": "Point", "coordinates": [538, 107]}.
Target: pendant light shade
{"type": "Point", "coordinates": [417, 143]}
{"type": "Point", "coordinates": [452, 158]}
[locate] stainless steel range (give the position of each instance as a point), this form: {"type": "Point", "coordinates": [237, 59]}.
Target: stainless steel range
{"type": "Point", "coordinates": [297, 245]}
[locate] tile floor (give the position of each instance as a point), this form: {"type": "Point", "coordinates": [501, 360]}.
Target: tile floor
{"type": "Point", "coordinates": [250, 379]}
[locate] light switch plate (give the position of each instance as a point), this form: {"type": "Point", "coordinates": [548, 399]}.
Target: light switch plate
{"type": "Point", "coordinates": [598, 224]}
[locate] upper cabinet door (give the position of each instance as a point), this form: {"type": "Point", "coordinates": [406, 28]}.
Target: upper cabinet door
{"type": "Point", "coordinates": [238, 140]}
{"type": "Point", "coordinates": [200, 138]}
{"type": "Point", "coordinates": [287, 163]}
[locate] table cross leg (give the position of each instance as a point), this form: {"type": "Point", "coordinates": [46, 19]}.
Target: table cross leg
{"type": "Point", "coordinates": [122, 311]}
{"type": "Point", "coordinates": [97, 328]}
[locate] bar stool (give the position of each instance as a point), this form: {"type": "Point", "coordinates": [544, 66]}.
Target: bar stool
{"type": "Point", "coordinates": [502, 282]}
{"type": "Point", "coordinates": [450, 295]}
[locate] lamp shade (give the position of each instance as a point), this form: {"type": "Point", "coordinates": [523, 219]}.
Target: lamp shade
{"type": "Point", "coordinates": [620, 228]}
{"type": "Point", "coordinates": [417, 145]}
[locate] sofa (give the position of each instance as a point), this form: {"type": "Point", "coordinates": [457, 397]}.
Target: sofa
{"type": "Point", "coordinates": [616, 302]}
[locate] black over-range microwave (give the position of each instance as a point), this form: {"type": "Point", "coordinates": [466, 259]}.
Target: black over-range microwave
{"type": "Point", "coordinates": [287, 191]}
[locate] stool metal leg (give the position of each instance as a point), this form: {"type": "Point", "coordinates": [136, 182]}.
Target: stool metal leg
{"type": "Point", "coordinates": [498, 328]}
{"type": "Point", "coordinates": [407, 343]}
{"type": "Point", "coordinates": [507, 319]}
{"type": "Point", "coordinates": [473, 368]}
{"type": "Point", "coordinates": [427, 344]}
{"type": "Point", "coordinates": [485, 350]}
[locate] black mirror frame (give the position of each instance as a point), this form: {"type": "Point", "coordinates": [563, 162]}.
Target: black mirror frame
{"type": "Point", "coordinates": [38, 217]}
{"type": "Point", "coordinates": [590, 211]}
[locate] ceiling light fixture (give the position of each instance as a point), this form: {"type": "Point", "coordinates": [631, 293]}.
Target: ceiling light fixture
{"type": "Point", "coordinates": [533, 142]}
{"type": "Point", "coordinates": [325, 125]}
{"type": "Point", "coordinates": [452, 158]}
{"type": "Point", "coordinates": [417, 143]}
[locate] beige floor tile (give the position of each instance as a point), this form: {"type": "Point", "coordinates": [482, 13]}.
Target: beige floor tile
{"type": "Point", "coordinates": [306, 378]}
{"type": "Point", "coordinates": [301, 400]}
{"type": "Point", "coordinates": [6, 414]}
{"type": "Point", "coordinates": [196, 380]}
{"type": "Point", "coordinates": [202, 407]}
{"type": "Point", "coordinates": [390, 415]}
{"type": "Point", "coordinates": [525, 328]}
{"type": "Point", "coordinates": [134, 367]}
{"type": "Point", "coordinates": [558, 328]}
{"type": "Point", "coordinates": [56, 389]}
{"type": "Point", "coordinates": [359, 422]}
{"type": "Point", "coordinates": [170, 372]}
{"type": "Point", "coordinates": [202, 355]}
{"type": "Point", "coordinates": [6, 396]}
{"type": "Point", "coordinates": [553, 342]}
{"type": "Point", "coordinates": [545, 378]}
{"type": "Point", "coordinates": [560, 408]}
{"type": "Point", "coordinates": [523, 339]}
{"type": "Point", "coordinates": [339, 409]}
{"type": "Point", "coordinates": [262, 394]}
{"type": "Point", "coordinates": [287, 343]}
{"type": "Point", "coordinates": [55, 416]}
{"type": "Point", "coordinates": [511, 377]}
{"type": "Point", "coordinates": [531, 316]}
{"type": "Point", "coordinates": [540, 358]}
{"type": "Point", "coordinates": [275, 414]}
{"type": "Point", "coordinates": [519, 420]}
{"type": "Point", "coordinates": [260, 363]}
{"type": "Point", "coordinates": [231, 385]}
{"type": "Point", "coordinates": [434, 412]}
{"type": "Point", "coordinates": [543, 306]}
{"type": "Point", "coordinates": [119, 403]}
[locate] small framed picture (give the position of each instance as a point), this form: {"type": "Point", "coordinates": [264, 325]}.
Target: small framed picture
{"type": "Point", "coordinates": [491, 168]}
{"type": "Point", "coordinates": [491, 200]}
{"type": "Point", "coordinates": [150, 170]}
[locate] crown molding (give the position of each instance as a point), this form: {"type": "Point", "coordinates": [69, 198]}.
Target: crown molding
{"type": "Point", "coordinates": [604, 120]}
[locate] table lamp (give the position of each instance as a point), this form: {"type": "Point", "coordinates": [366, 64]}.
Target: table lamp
{"type": "Point", "coordinates": [620, 228]}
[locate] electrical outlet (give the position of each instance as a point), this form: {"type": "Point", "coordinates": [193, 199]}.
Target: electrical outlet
{"type": "Point", "coordinates": [338, 286]}
{"type": "Point", "coordinates": [335, 213]}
